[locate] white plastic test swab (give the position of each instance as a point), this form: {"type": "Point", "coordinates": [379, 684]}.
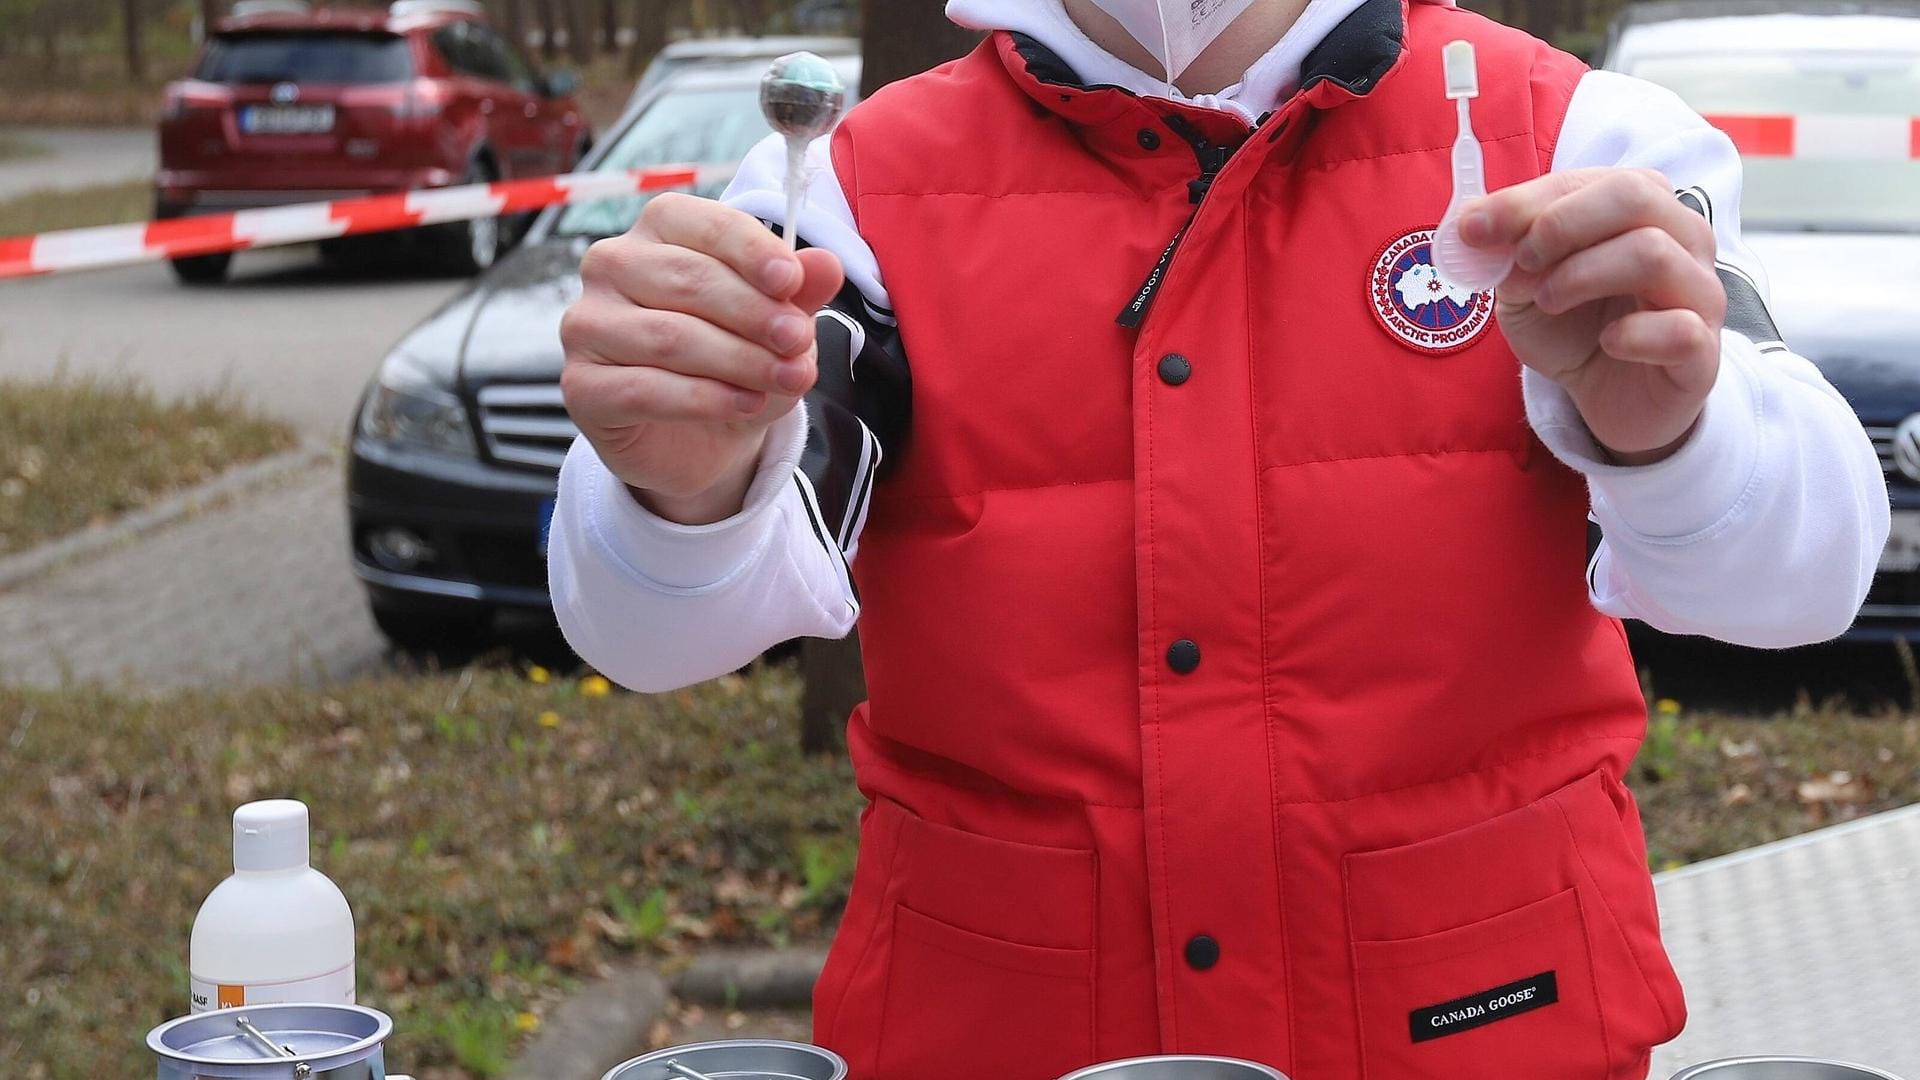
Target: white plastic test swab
{"type": "Point", "coordinates": [1457, 261]}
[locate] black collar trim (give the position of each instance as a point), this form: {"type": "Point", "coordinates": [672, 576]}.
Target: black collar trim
{"type": "Point", "coordinates": [1046, 66]}
{"type": "Point", "coordinates": [1360, 50]}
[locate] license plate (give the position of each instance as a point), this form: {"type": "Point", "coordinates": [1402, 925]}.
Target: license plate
{"type": "Point", "coordinates": [546, 525]}
{"type": "Point", "coordinates": [286, 119]}
{"type": "Point", "coordinates": [1902, 553]}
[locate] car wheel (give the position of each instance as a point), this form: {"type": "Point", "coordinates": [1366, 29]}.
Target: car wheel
{"type": "Point", "coordinates": [470, 247]}
{"type": "Point", "coordinates": [202, 269]}
{"type": "Point", "coordinates": [439, 629]}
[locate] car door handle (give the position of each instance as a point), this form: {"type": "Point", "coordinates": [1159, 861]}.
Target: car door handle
{"type": "Point", "coordinates": [531, 110]}
{"type": "Point", "coordinates": [486, 106]}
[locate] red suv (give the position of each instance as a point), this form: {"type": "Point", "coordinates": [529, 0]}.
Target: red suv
{"type": "Point", "coordinates": [289, 104]}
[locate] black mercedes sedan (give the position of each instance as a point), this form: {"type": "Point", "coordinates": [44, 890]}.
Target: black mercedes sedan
{"type": "Point", "coordinates": [458, 440]}
{"type": "Point", "coordinates": [1832, 209]}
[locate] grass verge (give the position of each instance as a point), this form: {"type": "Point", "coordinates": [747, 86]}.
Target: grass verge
{"type": "Point", "coordinates": [47, 209]}
{"type": "Point", "coordinates": [15, 147]}
{"type": "Point", "coordinates": [499, 839]}
{"type": "Point", "coordinates": [76, 451]}
{"type": "Point", "coordinates": [503, 837]}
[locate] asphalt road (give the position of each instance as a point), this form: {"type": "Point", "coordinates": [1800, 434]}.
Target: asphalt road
{"type": "Point", "coordinates": [78, 157]}
{"type": "Point", "coordinates": [258, 590]}
{"type": "Point", "coordinates": [291, 337]}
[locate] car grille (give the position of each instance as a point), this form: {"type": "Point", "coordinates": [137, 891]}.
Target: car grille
{"type": "Point", "coordinates": [526, 424]}
{"type": "Point", "coordinates": [1883, 445]}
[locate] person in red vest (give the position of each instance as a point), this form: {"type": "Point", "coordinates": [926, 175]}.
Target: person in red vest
{"type": "Point", "coordinates": [1242, 679]}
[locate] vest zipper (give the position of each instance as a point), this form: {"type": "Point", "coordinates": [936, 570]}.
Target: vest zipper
{"type": "Point", "coordinates": [1212, 157]}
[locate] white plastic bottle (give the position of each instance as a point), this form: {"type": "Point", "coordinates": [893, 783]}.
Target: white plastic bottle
{"type": "Point", "coordinates": [277, 930]}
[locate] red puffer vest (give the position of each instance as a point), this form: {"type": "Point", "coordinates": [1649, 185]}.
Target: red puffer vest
{"type": "Point", "coordinates": [1234, 687]}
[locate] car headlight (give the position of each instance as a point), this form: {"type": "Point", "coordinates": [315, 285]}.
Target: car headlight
{"type": "Point", "coordinates": [408, 407]}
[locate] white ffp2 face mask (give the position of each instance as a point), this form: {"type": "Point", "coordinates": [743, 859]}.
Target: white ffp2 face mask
{"type": "Point", "coordinates": [1174, 31]}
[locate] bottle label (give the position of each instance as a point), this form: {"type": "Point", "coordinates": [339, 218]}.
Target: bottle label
{"type": "Point", "coordinates": [334, 987]}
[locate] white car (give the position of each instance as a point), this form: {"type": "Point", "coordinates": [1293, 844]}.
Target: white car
{"type": "Point", "coordinates": [1823, 100]}
{"type": "Point", "coordinates": [732, 52]}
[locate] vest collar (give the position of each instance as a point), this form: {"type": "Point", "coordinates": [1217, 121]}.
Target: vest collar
{"type": "Point", "coordinates": [1350, 61]}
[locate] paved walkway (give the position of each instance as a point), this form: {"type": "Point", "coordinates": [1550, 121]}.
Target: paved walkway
{"type": "Point", "coordinates": [79, 157]}
{"type": "Point", "coordinates": [1810, 946]}
{"type": "Point", "coordinates": [256, 591]}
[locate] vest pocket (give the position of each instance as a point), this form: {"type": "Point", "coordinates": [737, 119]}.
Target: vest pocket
{"type": "Point", "coordinates": [1557, 887]}
{"type": "Point", "coordinates": [961, 1005]}
{"type": "Point", "coordinates": [1512, 995]}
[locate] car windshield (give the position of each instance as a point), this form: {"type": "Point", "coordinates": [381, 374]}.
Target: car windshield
{"type": "Point", "coordinates": [1849, 168]}
{"type": "Point", "coordinates": [306, 58]}
{"type": "Point", "coordinates": [699, 126]}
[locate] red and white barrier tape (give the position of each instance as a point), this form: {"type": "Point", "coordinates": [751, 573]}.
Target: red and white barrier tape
{"type": "Point", "coordinates": [120, 245]}
{"type": "Point", "coordinates": [1823, 136]}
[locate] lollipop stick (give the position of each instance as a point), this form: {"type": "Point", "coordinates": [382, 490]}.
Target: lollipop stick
{"type": "Point", "coordinates": [796, 189]}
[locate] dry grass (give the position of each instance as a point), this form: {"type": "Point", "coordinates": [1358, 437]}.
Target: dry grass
{"type": "Point", "coordinates": [77, 451]}
{"type": "Point", "coordinates": [503, 838]}
{"type": "Point", "coordinates": [14, 147]}
{"type": "Point", "coordinates": [499, 840]}
{"type": "Point", "coordinates": [104, 204]}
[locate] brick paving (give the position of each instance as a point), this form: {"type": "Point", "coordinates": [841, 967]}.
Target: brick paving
{"type": "Point", "coordinates": [256, 591]}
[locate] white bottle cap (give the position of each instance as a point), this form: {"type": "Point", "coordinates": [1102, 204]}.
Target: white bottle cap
{"type": "Point", "coordinates": [270, 835]}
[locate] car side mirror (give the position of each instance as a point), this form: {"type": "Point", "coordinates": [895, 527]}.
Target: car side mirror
{"type": "Point", "coordinates": [561, 83]}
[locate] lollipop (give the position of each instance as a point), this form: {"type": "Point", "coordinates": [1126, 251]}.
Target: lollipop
{"type": "Point", "coordinates": [802, 97]}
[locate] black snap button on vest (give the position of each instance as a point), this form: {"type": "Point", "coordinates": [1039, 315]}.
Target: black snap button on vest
{"type": "Point", "coordinates": [1202, 952]}
{"type": "Point", "coordinates": [1174, 369]}
{"type": "Point", "coordinates": [1149, 139]}
{"type": "Point", "coordinates": [1183, 656]}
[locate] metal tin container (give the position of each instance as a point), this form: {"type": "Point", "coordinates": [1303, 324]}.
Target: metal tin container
{"type": "Point", "coordinates": [274, 1042]}
{"type": "Point", "coordinates": [1177, 1067]}
{"type": "Point", "coordinates": [735, 1059]}
{"type": "Point", "coordinates": [1780, 1068]}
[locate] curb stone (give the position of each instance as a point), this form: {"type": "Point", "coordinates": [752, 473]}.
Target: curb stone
{"type": "Point", "coordinates": [752, 979]}
{"type": "Point", "coordinates": [36, 561]}
{"type": "Point", "coordinates": [603, 1024]}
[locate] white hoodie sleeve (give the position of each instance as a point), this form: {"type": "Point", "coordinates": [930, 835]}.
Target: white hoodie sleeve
{"type": "Point", "coordinates": [656, 605]}
{"type": "Point", "coordinates": [1765, 527]}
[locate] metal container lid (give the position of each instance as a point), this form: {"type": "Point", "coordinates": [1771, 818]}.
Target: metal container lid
{"type": "Point", "coordinates": [1178, 1067]}
{"type": "Point", "coordinates": [739, 1059]}
{"type": "Point", "coordinates": [321, 1037]}
{"type": "Point", "coordinates": [1780, 1068]}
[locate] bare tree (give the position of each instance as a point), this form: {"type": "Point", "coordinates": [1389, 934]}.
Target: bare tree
{"type": "Point", "coordinates": [516, 23]}
{"type": "Point", "coordinates": [549, 30]}
{"type": "Point", "coordinates": [649, 33]}
{"type": "Point", "coordinates": [609, 25]}
{"type": "Point", "coordinates": [579, 34]}
{"type": "Point", "coordinates": [135, 50]}
{"type": "Point", "coordinates": [906, 37]}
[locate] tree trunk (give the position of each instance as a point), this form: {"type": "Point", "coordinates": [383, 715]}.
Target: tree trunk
{"type": "Point", "coordinates": [649, 34]}
{"type": "Point", "coordinates": [751, 15]}
{"type": "Point", "coordinates": [609, 26]}
{"type": "Point", "coordinates": [579, 34]}
{"type": "Point", "coordinates": [135, 54]}
{"type": "Point", "coordinates": [549, 31]}
{"type": "Point", "coordinates": [834, 685]}
{"type": "Point", "coordinates": [906, 37]}
{"type": "Point", "coordinates": [516, 24]}
{"type": "Point", "coordinates": [209, 14]}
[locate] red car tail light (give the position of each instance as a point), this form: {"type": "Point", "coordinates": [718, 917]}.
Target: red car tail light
{"type": "Point", "coordinates": [185, 101]}
{"type": "Point", "coordinates": [422, 100]}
